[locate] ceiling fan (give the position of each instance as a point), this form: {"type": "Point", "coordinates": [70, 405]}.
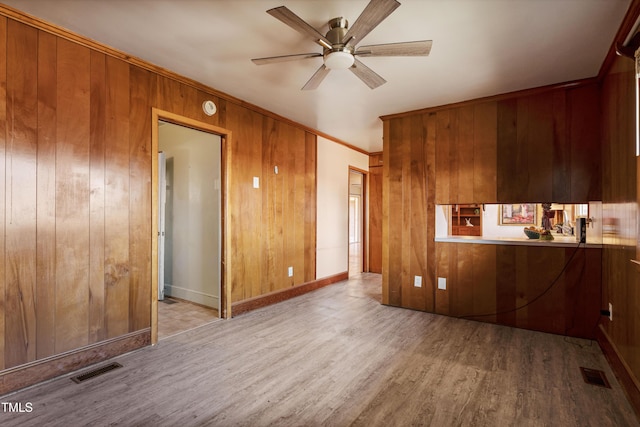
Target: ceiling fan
{"type": "Point", "coordinates": [339, 43]}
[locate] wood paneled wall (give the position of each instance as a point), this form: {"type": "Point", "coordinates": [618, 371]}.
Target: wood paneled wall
{"type": "Point", "coordinates": [408, 211]}
{"type": "Point", "coordinates": [76, 150]}
{"type": "Point", "coordinates": [75, 193]}
{"type": "Point", "coordinates": [523, 286]}
{"type": "Point", "coordinates": [524, 148]}
{"type": "Point", "coordinates": [548, 146]}
{"type": "Point", "coordinates": [375, 213]}
{"type": "Point", "coordinates": [621, 277]}
{"type": "Point", "coordinates": [534, 146]}
{"type": "Point", "coordinates": [466, 154]}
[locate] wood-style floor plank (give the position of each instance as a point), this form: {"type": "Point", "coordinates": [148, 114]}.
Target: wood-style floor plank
{"type": "Point", "coordinates": [337, 357]}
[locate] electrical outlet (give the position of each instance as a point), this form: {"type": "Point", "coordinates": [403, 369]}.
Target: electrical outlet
{"type": "Point", "coordinates": [610, 311]}
{"type": "Point", "coordinates": [290, 271]}
{"type": "Point", "coordinates": [442, 283]}
{"type": "Point", "coordinates": [417, 281]}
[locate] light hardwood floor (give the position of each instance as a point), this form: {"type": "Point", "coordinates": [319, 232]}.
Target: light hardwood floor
{"type": "Point", "coordinates": [182, 316]}
{"type": "Point", "coordinates": [337, 357]}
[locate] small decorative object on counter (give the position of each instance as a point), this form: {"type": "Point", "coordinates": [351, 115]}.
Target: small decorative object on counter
{"type": "Point", "coordinates": [538, 233]}
{"type": "Point", "coordinates": [532, 232]}
{"type": "Point", "coordinates": [546, 235]}
{"type": "Point", "coordinates": [468, 221]}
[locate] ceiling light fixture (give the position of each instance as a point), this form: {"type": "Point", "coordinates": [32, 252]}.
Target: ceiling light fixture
{"type": "Point", "coordinates": [338, 60]}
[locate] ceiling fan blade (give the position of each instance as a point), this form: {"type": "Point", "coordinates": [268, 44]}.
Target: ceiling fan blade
{"type": "Point", "coordinates": [284, 58]}
{"type": "Point", "coordinates": [294, 21]}
{"type": "Point", "coordinates": [317, 78]}
{"type": "Point", "coordinates": [367, 75]}
{"type": "Point", "coordinates": [372, 15]}
{"type": "Point", "coordinates": [417, 48]}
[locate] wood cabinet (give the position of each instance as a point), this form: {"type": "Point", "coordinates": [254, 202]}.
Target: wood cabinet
{"type": "Point", "coordinates": [466, 220]}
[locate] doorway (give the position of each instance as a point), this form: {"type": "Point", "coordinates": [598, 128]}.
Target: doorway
{"type": "Point", "coordinates": [357, 203]}
{"type": "Point", "coordinates": [188, 272]}
{"type": "Point", "coordinates": [189, 225]}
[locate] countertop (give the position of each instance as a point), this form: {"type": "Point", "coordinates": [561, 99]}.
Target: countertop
{"type": "Point", "coordinates": [559, 241]}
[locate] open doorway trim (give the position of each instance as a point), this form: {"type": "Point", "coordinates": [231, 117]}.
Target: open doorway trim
{"type": "Point", "coordinates": [225, 294]}
{"type": "Point", "coordinates": [365, 217]}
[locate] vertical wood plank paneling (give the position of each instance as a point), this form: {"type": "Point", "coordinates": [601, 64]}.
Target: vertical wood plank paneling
{"type": "Point", "coordinates": [485, 152]}
{"type": "Point", "coordinates": [297, 209]}
{"type": "Point", "coordinates": [442, 251]}
{"type": "Point", "coordinates": [97, 198]}
{"type": "Point", "coordinates": [510, 155]}
{"type": "Point", "coordinates": [310, 208]}
{"type": "Point", "coordinates": [273, 199]}
{"type": "Point", "coordinates": [544, 289]}
{"type": "Point", "coordinates": [620, 211]}
{"type": "Point", "coordinates": [538, 137]}
{"type": "Point", "coordinates": [462, 288]}
{"type": "Point", "coordinates": [521, 283]}
{"type": "Point", "coordinates": [454, 183]}
{"type": "Point", "coordinates": [386, 220]}
{"type": "Point", "coordinates": [506, 298]}
{"type": "Point", "coordinates": [404, 209]}
{"type": "Point", "coordinates": [561, 159]}
{"type": "Point", "coordinates": [443, 172]}
{"type": "Point", "coordinates": [393, 203]}
{"type": "Point", "coordinates": [72, 196]}
{"type": "Point", "coordinates": [3, 175]}
{"type": "Point", "coordinates": [170, 96]}
{"type": "Point", "coordinates": [464, 154]}
{"type": "Point", "coordinates": [46, 196]}
{"type": "Point", "coordinates": [245, 203]}
{"type": "Point", "coordinates": [20, 223]}
{"type": "Point", "coordinates": [585, 166]}
{"type": "Point", "coordinates": [375, 219]}
{"type": "Point", "coordinates": [117, 265]}
{"type": "Point", "coordinates": [420, 298]}
{"type": "Point", "coordinates": [286, 156]}
{"type": "Point", "coordinates": [85, 193]}
{"type": "Point", "coordinates": [429, 123]}
{"type": "Point", "coordinates": [484, 281]}
{"type": "Point", "coordinates": [142, 98]}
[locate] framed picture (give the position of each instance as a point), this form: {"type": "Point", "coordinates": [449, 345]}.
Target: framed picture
{"type": "Point", "coordinates": [517, 214]}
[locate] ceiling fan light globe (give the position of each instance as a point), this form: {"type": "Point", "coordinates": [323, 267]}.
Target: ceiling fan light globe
{"type": "Point", "coordinates": [338, 60]}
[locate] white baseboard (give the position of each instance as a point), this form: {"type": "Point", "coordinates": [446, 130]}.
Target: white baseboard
{"type": "Point", "coordinates": [191, 295]}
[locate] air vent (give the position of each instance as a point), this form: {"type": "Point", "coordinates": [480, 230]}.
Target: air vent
{"type": "Point", "coordinates": [95, 372]}
{"type": "Point", "coordinates": [594, 377]}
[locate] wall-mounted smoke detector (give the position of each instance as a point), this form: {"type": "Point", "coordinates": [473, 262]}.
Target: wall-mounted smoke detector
{"type": "Point", "coordinates": [209, 107]}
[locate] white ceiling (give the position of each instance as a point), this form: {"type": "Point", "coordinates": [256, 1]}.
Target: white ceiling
{"type": "Point", "coordinates": [480, 48]}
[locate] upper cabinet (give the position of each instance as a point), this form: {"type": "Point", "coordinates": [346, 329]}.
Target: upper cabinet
{"type": "Point", "coordinates": [466, 146]}
{"type": "Point", "coordinates": [548, 146]}
{"type": "Point", "coordinates": [539, 145]}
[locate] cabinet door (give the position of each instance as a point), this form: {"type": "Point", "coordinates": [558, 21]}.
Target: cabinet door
{"type": "Point", "coordinates": [466, 154]}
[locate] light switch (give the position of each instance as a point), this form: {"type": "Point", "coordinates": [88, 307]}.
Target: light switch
{"type": "Point", "coordinates": [256, 182]}
{"type": "Point", "coordinates": [290, 271]}
{"type": "Point", "coordinates": [417, 281]}
{"type": "Point", "coordinates": [442, 283]}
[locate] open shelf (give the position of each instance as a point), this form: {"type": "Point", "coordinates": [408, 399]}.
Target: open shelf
{"type": "Point", "coordinates": [462, 215]}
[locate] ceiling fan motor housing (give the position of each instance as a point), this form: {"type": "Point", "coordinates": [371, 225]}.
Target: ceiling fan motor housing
{"type": "Point", "coordinates": [340, 56]}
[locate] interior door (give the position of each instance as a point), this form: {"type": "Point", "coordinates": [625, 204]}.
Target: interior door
{"type": "Point", "coordinates": [162, 201]}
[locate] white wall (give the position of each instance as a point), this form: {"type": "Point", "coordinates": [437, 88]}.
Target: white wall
{"type": "Point", "coordinates": [195, 241]}
{"type": "Point", "coordinates": [333, 205]}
